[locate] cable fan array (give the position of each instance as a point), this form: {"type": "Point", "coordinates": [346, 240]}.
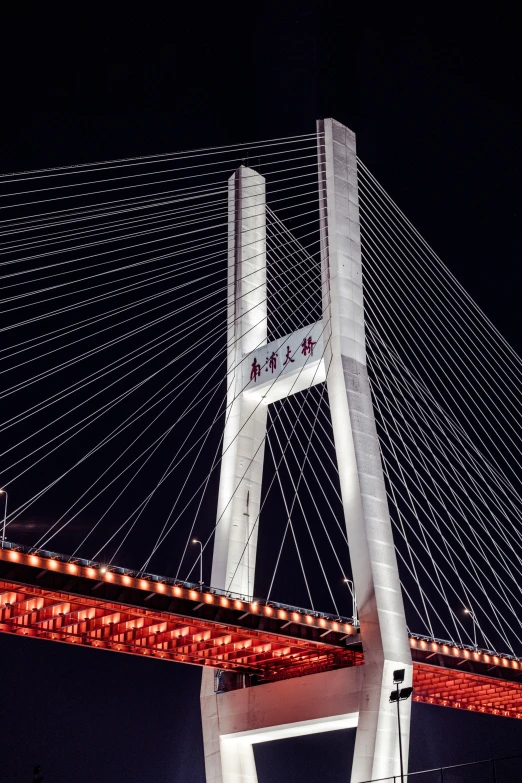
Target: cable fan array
{"type": "Point", "coordinates": [115, 352]}
{"type": "Point", "coordinates": [114, 368]}
{"type": "Point", "coordinates": [445, 386]}
{"type": "Point", "coordinates": [114, 320]}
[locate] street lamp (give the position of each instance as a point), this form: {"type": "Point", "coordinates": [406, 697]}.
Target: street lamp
{"type": "Point", "coordinates": [3, 492]}
{"type": "Point", "coordinates": [398, 695]}
{"type": "Point", "coordinates": [196, 541]}
{"type": "Point", "coordinates": [472, 615]}
{"type": "Point", "coordinates": [351, 588]}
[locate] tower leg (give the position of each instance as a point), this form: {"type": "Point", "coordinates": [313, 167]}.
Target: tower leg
{"type": "Point", "coordinates": [374, 566]}
{"type": "Point", "coordinates": [239, 500]}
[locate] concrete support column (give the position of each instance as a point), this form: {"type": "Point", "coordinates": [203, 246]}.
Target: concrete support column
{"type": "Point", "coordinates": [239, 500]}
{"type": "Point", "coordinates": [238, 762]}
{"type": "Point", "coordinates": [235, 721]}
{"type": "Point", "coordinates": [241, 474]}
{"type": "Point", "coordinates": [381, 611]}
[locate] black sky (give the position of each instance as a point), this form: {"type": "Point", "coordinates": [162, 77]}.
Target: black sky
{"type": "Point", "coordinates": [434, 99]}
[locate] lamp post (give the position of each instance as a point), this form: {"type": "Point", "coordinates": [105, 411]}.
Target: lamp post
{"type": "Point", "coordinates": [197, 541]}
{"type": "Point", "coordinates": [351, 588]}
{"type": "Point", "coordinates": [3, 492]}
{"type": "Point", "coordinates": [474, 619]}
{"type": "Point", "coordinates": [398, 695]}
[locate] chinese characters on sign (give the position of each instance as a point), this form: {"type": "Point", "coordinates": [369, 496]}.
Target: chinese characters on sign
{"type": "Point", "coordinates": [288, 357]}
{"type": "Point", "coordinates": [285, 366]}
{"type": "Point", "coordinates": [307, 346]}
{"type": "Point", "coordinates": [272, 362]}
{"type": "Point", "coordinates": [294, 346]}
{"type": "Point", "coordinates": [256, 370]}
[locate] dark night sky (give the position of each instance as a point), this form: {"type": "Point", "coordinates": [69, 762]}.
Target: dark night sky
{"type": "Point", "coordinates": [434, 100]}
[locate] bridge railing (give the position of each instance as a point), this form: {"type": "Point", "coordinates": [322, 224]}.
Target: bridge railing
{"type": "Point", "coordinates": [461, 646]}
{"type": "Point", "coordinates": [103, 568]}
{"type": "Point", "coordinates": [507, 769]}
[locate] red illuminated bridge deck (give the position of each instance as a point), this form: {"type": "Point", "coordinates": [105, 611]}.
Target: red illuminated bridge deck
{"type": "Point", "coordinates": [45, 595]}
{"type": "Point", "coordinates": [49, 596]}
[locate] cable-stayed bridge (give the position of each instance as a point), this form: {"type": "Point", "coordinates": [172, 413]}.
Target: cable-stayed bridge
{"type": "Point", "coordinates": [259, 324]}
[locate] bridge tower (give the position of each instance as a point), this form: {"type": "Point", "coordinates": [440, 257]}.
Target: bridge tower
{"type": "Point", "coordinates": [352, 697]}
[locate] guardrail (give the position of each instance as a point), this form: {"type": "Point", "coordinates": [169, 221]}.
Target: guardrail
{"type": "Point", "coordinates": [104, 571]}
{"type": "Point", "coordinates": [507, 769]}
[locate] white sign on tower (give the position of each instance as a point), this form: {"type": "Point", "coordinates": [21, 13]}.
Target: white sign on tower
{"type": "Point", "coordinates": [285, 366]}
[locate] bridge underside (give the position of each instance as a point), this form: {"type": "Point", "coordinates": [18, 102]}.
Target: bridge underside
{"type": "Point", "coordinates": [49, 598]}
{"type": "Point", "coordinates": [465, 690]}
{"type": "Point", "coordinates": [76, 603]}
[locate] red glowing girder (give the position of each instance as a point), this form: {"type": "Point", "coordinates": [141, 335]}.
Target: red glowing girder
{"type": "Point", "coordinates": [424, 649]}
{"type": "Point", "coordinates": [51, 598]}
{"type": "Point", "coordinates": [466, 691]}
{"type": "Point", "coordinates": [61, 616]}
{"type": "Point", "coordinates": [24, 566]}
{"type": "Point", "coordinates": [285, 670]}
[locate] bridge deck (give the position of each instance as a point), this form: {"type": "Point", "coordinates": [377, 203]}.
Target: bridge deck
{"type": "Point", "coordinates": [50, 597]}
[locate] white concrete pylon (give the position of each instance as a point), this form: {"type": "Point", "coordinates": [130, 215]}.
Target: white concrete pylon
{"type": "Point", "coordinates": [374, 565]}
{"type": "Point", "coordinates": [359, 696]}
{"type": "Point", "coordinates": [239, 498]}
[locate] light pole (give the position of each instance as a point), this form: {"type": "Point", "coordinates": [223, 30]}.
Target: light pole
{"type": "Point", "coordinates": [3, 492]}
{"type": "Point", "coordinates": [196, 541]}
{"type": "Point", "coordinates": [398, 695]}
{"type": "Point", "coordinates": [351, 588]}
{"type": "Point", "coordinates": [474, 619]}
